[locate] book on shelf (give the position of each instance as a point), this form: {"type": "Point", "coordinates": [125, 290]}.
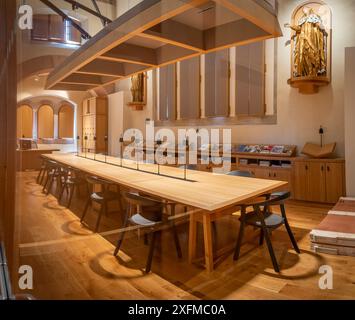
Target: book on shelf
{"type": "Point", "coordinates": [264, 163]}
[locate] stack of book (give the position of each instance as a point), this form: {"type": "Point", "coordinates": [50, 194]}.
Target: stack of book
{"type": "Point", "coordinates": [264, 163]}
{"type": "Point", "coordinates": [336, 233]}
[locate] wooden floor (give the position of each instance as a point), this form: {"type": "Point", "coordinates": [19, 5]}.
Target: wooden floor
{"type": "Point", "coordinates": [71, 262]}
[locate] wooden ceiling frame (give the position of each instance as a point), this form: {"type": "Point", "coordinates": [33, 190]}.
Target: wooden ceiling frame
{"type": "Point", "coordinates": [148, 37]}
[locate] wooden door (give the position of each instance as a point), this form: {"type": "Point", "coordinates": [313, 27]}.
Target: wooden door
{"type": "Point", "coordinates": [316, 182]}
{"type": "Point", "coordinates": [334, 182]}
{"type": "Point", "coordinates": [300, 178]}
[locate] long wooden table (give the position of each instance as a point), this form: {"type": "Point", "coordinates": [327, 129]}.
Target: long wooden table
{"type": "Point", "coordinates": [212, 193]}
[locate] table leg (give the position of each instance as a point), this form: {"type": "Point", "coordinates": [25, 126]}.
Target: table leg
{"type": "Point", "coordinates": [207, 234]}
{"type": "Point", "coordinates": [192, 238]}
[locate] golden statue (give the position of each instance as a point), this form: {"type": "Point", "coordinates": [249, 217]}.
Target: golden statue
{"type": "Point", "coordinates": [310, 45]}
{"type": "Point", "coordinates": [137, 88]}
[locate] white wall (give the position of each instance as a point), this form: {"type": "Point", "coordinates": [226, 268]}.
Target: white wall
{"type": "Point", "coordinates": [349, 120]}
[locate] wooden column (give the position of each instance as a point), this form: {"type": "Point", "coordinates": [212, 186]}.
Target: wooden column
{"type": "Point", "coordinates": [8, 84]}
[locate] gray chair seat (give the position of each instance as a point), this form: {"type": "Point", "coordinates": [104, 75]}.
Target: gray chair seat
{"type": "Point", "coordinates": [109, 195]}
{"type": "Point", "coordinates": [142, 221]}
{"type": "Point", "coordinates": [271, 220]}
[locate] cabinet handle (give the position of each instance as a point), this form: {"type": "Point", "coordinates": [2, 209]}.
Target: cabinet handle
{"type": "Point", "coordinates": [274, 175]}
{"type": "Point", "coordinates": [306, 167]}
{"type": "Point", "coordinates": [322, 168]}
{"type": "Point", "coordinates": [328, 168]}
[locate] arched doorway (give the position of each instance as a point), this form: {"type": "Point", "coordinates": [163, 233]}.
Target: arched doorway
{"type": "Point", "coordinates": [45, 123]}
{"type": "Point", "coordinates": [24, 121]}
{"type": "Point", "coordinates": [66, 122]}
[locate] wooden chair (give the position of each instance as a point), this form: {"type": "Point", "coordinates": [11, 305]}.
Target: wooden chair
{"type": "Point", "coordinates": [72, 179]}
{"type": "Point", "coordinates": [148, 214]}
{"type": "Point", "coordinates": [42, 171]}
{"type": "Point", "coordinates": [263, 218]}
{"type": "Point", "coordinates": [53, 173]}
{"type": "Point", "coordinates": [102, 197]}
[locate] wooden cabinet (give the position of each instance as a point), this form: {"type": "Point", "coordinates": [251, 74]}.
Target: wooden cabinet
{"type": "Point", "coordinates": [319, 180]}
{"type": "Point", "coordinates": [95, 126]}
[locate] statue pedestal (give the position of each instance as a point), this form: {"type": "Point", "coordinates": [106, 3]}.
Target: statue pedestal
{"type": "Point", "coordinates": [308, 85]}
{"type": "Point", "coordinates": [138, 106]}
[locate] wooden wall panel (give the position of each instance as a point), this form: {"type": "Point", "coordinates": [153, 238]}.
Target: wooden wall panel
{"type": "Point", "coordinates": [217, 84]}
{"type": "Point", "coordinates": [190, 75]}
{"type": "Point", "coordinates": [242, 80]}
{"type": "Point", "coordinates": [8, 103]}
{"type": "Point", "coordinates": [167, 92]}
{"type": "Point", "coordinates": [250, 80]}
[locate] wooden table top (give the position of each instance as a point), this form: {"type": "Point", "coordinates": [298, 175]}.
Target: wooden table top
{"type": "Point", "coordinates": [207, 191]}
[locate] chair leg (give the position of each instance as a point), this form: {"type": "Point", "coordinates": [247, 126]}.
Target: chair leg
{"type": "Point", "coordinates": [145, 239]}
{"type": "Point", "coordinates": [288, 228]}
{"type": "Point", "coordinates": [102, 210]}
{"type": "Point", "coordinates": [271, 250]}
{"type": "Point", "coordinates": [151, 252]}
{"type": "Point", "coordinates": [85, 210]}
{"type": "Point", "coordinates": [62, 192]}
{"type": "Point", "coordinates": [50, 186]}
{"type": "Point", "coordinates": [240, 239]}
{"type": "Point", "coordinates": [261, 239]}
{"type": "Point", "coordinates": [46, 182]}
{"type": "Point", "coordinates": [71, 192]}
{"type": "Point", "coordinates": [39, 175]}
{"type": "Point", "coordinates": [177, 242]}
{"type": "Point", "coordinates": [121, 237]}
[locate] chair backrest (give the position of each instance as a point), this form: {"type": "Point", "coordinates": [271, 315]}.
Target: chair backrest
{"type": "Point", "coordinates": [190, 167]}
{"type": "Point", "coordinates": [141, 201]}
{"type": "Point", "coordinates": [93, 180]}
{"type": "Point", "coordinates": [239, 173]}
{"type": "Point", "coordinates": [273, 199]}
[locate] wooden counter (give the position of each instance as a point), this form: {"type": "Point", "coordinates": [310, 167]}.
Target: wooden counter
{"type": "Point", "coordinates": [31, 159]}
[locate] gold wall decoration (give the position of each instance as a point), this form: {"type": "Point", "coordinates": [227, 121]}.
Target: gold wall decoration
{"type": "Point", "coordinates": [139, 91]}
{"type": "Point", "coordinates": [311, 27]}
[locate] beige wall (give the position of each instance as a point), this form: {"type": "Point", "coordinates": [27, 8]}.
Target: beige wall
{"type": "Point", "coordinates": [299, 116]}
{"type": "Point", "coordinates": [349, 120]}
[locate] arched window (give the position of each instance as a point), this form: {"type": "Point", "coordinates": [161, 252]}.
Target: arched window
{"type": "Point", "coordinates": [66, 122]}
{"type": "Point", "coordinates": [45, 124]}
{"type": "Point", "coordinates": [24, 121]}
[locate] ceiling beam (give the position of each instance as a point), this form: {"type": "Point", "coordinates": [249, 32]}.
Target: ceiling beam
{"type": "Point", "coordinates": [83, 79]}
{"type": "Point", "coordinates": [131, 53]}
{"type": "Point", "coordinates": [223, 36]}
{"type": "Point", "coordinates": [143, 16]}
{"type": "Point", "coordinates": [103, 68]}
{"type": "Point", "coordinates": [177, 34]}
{"type": "Point", "coordinates": [83, 33]}
{"type": "Point", "coordinates": [255, 13]}
{"type": "Point", "coordinates": [72, 87]}
{"type": "Point", "coordinates": [96, 6]}
{"type": "Point", "coordinates": [96, 13]}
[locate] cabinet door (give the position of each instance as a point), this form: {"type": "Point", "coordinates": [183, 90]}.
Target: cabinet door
{"type": "Point", "coordinates": [316, 182]}
{"type": "Point", "coordinates": [334, 182]}
{"type": "Point", "coordinates": [282, 175]}
{"type": "Point", "coordinates": [300, 180]}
